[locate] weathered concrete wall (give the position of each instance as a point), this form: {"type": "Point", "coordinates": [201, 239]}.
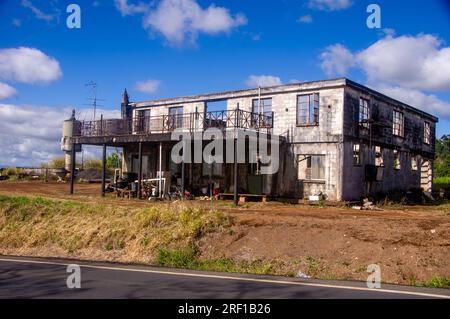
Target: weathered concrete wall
{"type": "Point", "coordinates": [381, 135]}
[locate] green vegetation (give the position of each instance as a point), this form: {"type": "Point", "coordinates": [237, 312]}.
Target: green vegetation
{"type": "Point", "coordinates": [442, 162]}
{"type": "Point", "coordinates": [438, 282]}
{"type": "Point", "coordinates": [188, 258]}
{"type": "Point", "coordinates": [73, 228]}
{"type": "Point", "coordinates": [113, 161]}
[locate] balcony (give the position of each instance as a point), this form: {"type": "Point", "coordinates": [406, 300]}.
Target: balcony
{"type": "Point", "coordinates": [190, 122]}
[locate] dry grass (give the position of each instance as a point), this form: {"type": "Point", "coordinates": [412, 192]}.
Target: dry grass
{"type": "Point", "coordinates": [105, 232]}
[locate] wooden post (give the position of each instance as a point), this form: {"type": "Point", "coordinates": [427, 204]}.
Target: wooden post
{"type": "Point", "coordinates": [139, 186]}
{"type": "Point", "coordinates": [72, 168]}
{"type": "Point", "coordinates": [104, 170]}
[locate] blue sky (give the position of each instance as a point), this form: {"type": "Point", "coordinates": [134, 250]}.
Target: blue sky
{"type": "Point", "coordinates": [219, 46]}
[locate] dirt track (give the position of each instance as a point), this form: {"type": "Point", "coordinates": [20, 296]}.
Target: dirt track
{"type": "Point", "coordinates": [410, 244]}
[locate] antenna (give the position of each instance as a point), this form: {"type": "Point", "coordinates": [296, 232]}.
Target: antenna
{"type": "Point", "coordinates": [92, 85]}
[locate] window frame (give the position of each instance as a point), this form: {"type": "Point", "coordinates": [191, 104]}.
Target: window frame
{"type": "Point", "coordinates": [398, 129]}
{"type": "Point", "coordinates": [309, 162]}
{"type": "Point", "coordinates": [312, 109]}
{"type": "Point", "coordinates": [364, 113]}
{"type": "Point", "coordinates": [357, 154]}
{"type": "Point", "coordinates": [427, 132]}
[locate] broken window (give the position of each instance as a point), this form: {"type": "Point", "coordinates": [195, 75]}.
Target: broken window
{"type": "Point", "coordinates": [356, 154]}
{"type": "Point", "coordinates": [261, 106]}
{"type": "Point", "coordinates": [308, 109]}
{"type": "Point", "coordinates": [396, 163]}
{"type": "Point", "coordinates": [176, 117]}
{"type": "Point", "coordinates": [397, 126]}
{"type": "Point", "coordinates": [364, 113]}
{"type": "Point", "coordinates": [426, 133]}
{"type": "Point", "coordinates": [311, 167]}
{"type": "Point", "coordinates": [378, 156]}
{"type": "Point", "coordinates": [414, 162]}
{"type": "Point", "coordinates": [142, 125]}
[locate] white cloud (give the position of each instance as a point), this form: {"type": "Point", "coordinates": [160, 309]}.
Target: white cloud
{"type": "Point", "coordinates": [129, 9]}
{"type": "Point", "coordinates": [405, 67]}
{"type": "Point", "coordinates": [39, 14]}
{"type": "Point", "coordinates": [305, 19]}
{"type": "Point", "coordinates": [30, 135]}
{"type": "Point", "coordinates": [6, 91]}
{"type": "Point", "coordinates": [180, 21]}
{"type": "Point", "coordinates": [149, 86]}
{"type": "Point", "coordinates": [262, 80]}
{"type": "Point", "coordinates": [418, 62]}
{"type": "Point", "coordinates": [329, 5]}
{"type": "Point", "coordinates": [428, 103]}
{"type": "Point", "coordinates": [28, 65]}
{"type": "Point", "coordinates": [336, 60]}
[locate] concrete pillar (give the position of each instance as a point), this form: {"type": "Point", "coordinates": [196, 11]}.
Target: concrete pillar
{"type": "Point", "coordinates": [72, 169]}
{"type": "Point", "coordinates": [104, 170]}
{"type": "Point", "coordinates": [139, 187]}
{"type": "Point", "coordinates": [236, 199]}
{"type": "Point", "coordinates": [160, 188]}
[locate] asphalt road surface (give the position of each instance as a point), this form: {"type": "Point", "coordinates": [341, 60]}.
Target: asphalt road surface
{"type": "Point", "coordinates": [47, 278]}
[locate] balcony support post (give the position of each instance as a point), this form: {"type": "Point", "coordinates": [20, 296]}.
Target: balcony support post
{"type": "Point", "coordinates": [72, 168]}
{"type": "Point", "coordinates": [104, 170]}
{"type": "Point", "coordinates": [139, 185]}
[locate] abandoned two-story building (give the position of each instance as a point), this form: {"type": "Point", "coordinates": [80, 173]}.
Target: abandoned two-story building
{"type": "Point", "coordinates": [337, 138]}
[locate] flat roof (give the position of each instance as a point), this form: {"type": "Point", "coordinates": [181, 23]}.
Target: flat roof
{"type": "Point", "coordinates": [277, 89]}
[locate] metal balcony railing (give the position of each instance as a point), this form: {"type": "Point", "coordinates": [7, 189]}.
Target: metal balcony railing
{"type": "Point", "coordinates": [191, 122]}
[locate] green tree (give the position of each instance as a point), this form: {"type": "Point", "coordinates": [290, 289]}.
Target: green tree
{"type": "Point", "coordinates": [442, 162]}
{"type": "Point", "coordinates": [113, 161]}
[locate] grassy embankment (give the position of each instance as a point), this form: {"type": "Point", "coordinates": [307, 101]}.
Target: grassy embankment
{"type": "Point", "coordinates": [165, 234]}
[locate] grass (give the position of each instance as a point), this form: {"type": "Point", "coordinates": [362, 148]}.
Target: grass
{"type": "Point", "coordinates": [189, 258]}
{"type": "Point", "coordinates": [74, 229]}
{"type": "Point", "coordinates": [438, 282]}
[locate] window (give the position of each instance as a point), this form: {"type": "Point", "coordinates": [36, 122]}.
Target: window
{"type": "Point", "coordinates": [364, 116]}
{"type": "Point", "coordinates": [397, 123]}
{"type": "Point", "coordinates": [356, 154]}
{"type": "Point", "coordinates": [308, 109]}
{"type": "Point", "coordinates": [414, 162]}
{"type": "Point", "coordinates": [142, 125]}
{"type": "Point", "coordinates": [311, 167]}
{"type": "Point", "coordinates": [176, 117]}
{"type": "Point", "coordinates": [378, 156]}
{"type": "Point", "coordinates": [265, 108]}
{"type": "Point", "coordinates": [396, 162]}
{"type": "Point", "coordinates": [426, 132]}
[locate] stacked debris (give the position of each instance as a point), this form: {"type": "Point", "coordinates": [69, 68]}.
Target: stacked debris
{"type": "Point", "coordinates": [367, 205]}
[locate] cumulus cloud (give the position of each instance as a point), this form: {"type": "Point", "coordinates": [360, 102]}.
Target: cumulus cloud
{"type": "Point", "coordinates": [27, 139]}
{"type": "Point", "coordinates": [181, 21]}
{"type": "Point", "coordinates": [329, 5]}
{"type": "Point", "coordinates": [262, 80]}
{"type": "Point", "coordinates": [336, 60]}
{"type": "Point", "coordinates": [427, 102]}
{"type": "Point", "coordinates": [418, 62]}
{"type": "Point", "coordinates": [28, 65]}
{"type": "Point", "coordinates": [305, 19]}
{"type": "Point", "coordinates": [6, 91]}
{"type": "Point", "coordinates": [149, 86]}
{"type": "Point", "coordinates": [129, 9]}
{"type": "Point", "coordinates": [407, 68]}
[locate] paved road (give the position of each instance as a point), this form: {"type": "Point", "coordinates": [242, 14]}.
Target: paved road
{"type": "Point", "coordinates": [46, 278]}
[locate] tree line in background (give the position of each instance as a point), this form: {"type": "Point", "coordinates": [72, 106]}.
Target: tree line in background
{"type": "Point", "coordinates": [442, 164]}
